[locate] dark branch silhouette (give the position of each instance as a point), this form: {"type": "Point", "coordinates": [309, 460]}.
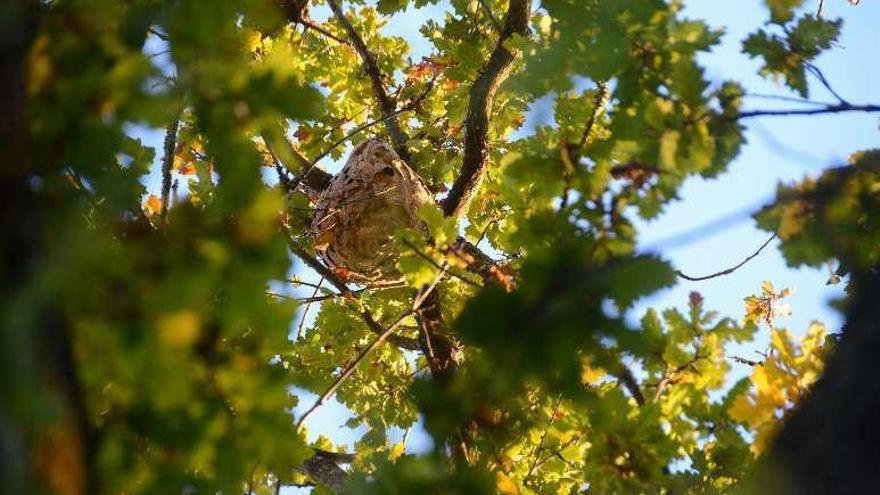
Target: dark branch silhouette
{"type": "Point", "coordinates": [839, 108]}
{"type": "Point", "coordinates": [386, 104]}
{"type": "Point", "coordinates": [168, 163]}
{"type": "Point", "coordinates": [730, 270]}
{"type": "Point", "coordinates": [482, 98]}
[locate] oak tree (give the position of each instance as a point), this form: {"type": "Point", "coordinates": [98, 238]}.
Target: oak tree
{"type": "Point", "coordinates": [159, 342]}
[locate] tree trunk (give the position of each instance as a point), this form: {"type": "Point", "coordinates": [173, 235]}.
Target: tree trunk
{"type": "Point", "coordinates": [831, 444]}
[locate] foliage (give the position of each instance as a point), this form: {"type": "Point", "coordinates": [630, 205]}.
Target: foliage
{"type": "Point", "coordinates": [830, 217]}
{"type": "Point", "coordinates": [789, 56]}
{"type": "Point", "coordinates": [177, 308]}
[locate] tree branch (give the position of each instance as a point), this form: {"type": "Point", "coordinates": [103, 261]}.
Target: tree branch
{"type": "Point", "coordinates": [386, 105]}
{"type": "Point", "coordinates": [347, 293]}
{"type": "Point", "coordinates": [420, 298]}
{"type": "Point", "coordinates": [628, 380]}
{"type": "Point", "coordinates": [307, 23]}
{"type": "Point", "coordinates": [436, 265]}
{"type": "Point", "coordinates": [480, 263]}
{"type": "Point", "coordinates": [350, 369]}
{"type": "Point", "coordinates": [168, 163]}
{"type": "Point", "coordinates": [323, 467]}
{"type": "Point", "coordinates": [821, 77]}
{"type": "Point", "coordinates": [827, 443]}
{"type": "Point", "coordinates": [839, 108]}
{"type": "Point", "coordinates": [730, 270]}
{"type": "Point", "coordinates": [412, 105]}
{"type": "Point", "coordinates": [536, 452]}
{"type": "Point", "coordinates": [787, 98]}
{"type": "Point", "coordinates": [488, 11]}
{"type": "Point", "coordinates": [598, 106]}
{"type": "Point", "coordinates": [482, 97]}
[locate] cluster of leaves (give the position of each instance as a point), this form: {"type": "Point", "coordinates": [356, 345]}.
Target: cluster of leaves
{"type": "Point", "coordinates": [183, 367]}
{"type": "Point", "coordinates": [788, 55]}
{"type": "Point", "coordinates": [172, 336]}
{"type": "Point", "coordinates": [779, 382]}
{"type": "Point", "coordinates": [832, 217]}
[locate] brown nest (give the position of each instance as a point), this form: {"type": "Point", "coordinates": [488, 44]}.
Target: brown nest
{"type": "Point", "coordinates": [374, 196]}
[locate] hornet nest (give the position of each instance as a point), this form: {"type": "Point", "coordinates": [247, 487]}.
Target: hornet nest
{"type": "Point", "coordinates": [374, 195]}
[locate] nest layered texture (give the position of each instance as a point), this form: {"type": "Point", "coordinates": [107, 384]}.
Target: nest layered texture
{"type": "Point", "coordinates": [374, 196]}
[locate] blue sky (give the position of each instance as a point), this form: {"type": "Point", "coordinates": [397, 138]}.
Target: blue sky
{"type": "Point", "coordinates": [779, 149]}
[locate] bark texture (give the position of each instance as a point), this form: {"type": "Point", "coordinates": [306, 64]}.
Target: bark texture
{"type": "Point", "coordinates": [831, 444]}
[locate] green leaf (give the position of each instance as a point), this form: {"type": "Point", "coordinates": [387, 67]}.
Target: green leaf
{"type": "Point", "coordinates": [782, 11]}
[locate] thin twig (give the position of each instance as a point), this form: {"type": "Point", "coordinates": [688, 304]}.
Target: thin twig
{"type": "Point", "coordinates": [406, 108]}
{"type": "Point", "coordinates": [839, 108]}
{"type": "Point", "coordinates": [536, 452]}
{"type": "Point", "coordinates": [730, 270]}
{"type": "Point", "coordinates": [788, 99]}
{"type": "Point", "coordinates": [386, 105]}
{"type": "Point", "coordinates": [571, 157]}
{"type": "Point", "coordinates": [303, 300]}
{"type": "Point", "coordinates": [80, 184]}
{"type": "Point", "coordinates": [155, 32]}
{"type": "Point", "coordinates": [628, 380]}
{"type": "Point", "coordinates": [282, 169]}
{"type": "Point", "coordinates": [598, 106]}
{"type": "Point", "coordinates": [671, 376]}
{"type": "Point", "coordinates": [557, 453]}
{"type": "Point", "coordinates": [438, 266]}
{"type": "Point", "coordinates": [350, 369]}
{"type": "Point", "coordinates": [348, 294]}
{"type": "Point", "coordinates": [305, 284]}
{"type": "Point", "coordinates": [302, 321]}
{"type": "Point", "coordinates": [819, 10]}
{"type": "Point", "coordinates": [488, 11]}
{"type": "Point", "coordinates": [821, 77]}
{"type": "Point", "coordinates": [742, 360]}
{"type": "Point", "coordinates": [309, 24]}
{"type": "Point", "coordinates": [168, 163]}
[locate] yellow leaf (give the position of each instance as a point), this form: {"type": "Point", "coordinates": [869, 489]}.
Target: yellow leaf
{"type": "Point", "coordinates": [762, 439]}
{"type": "Point", "coordinates": [781, 340]}
{"type": "Point", "coordinates": [669, 149]}
{"type": "Point", "coordinates": [768, 390]}
{"type": "Point", "coordinates": [505, 485]}
{"type": "Point", "coordinates": [252, 40]}
{"type": "Point", "coordinates": [179, 328]}
{"type": "Point", "coordinates": [591, 375]}
{"type": "Point", "coordinates": [396, 451]}
{"type": "Point", "coordinates": [153, 205]}
{"type": "Point", "coordinates": [791, 222]}
{"type": "Point", "coordinates": [742, 409]}
{"type": "Point", "coordinates": [813, 340]}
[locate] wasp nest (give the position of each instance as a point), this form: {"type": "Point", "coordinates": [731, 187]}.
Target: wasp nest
{"type": "Point", "coordinates": [374, 195]}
